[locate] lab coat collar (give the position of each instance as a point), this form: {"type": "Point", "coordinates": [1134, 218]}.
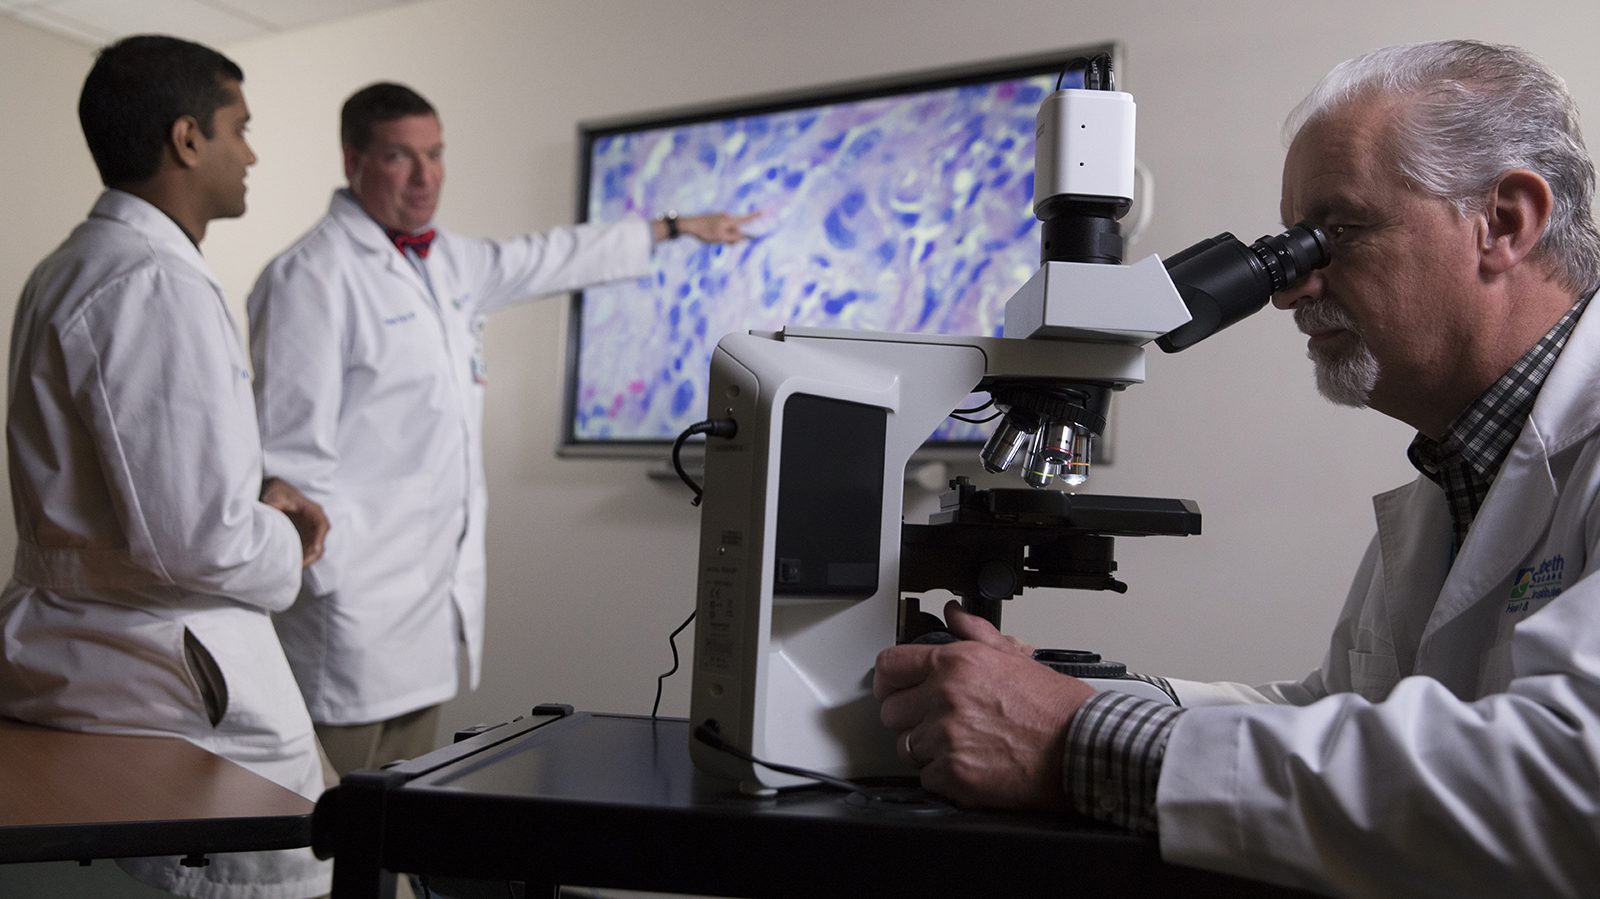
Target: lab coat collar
{"type": "Point", "coordinates": [366, 233]}
{"type": "Point", "coordinates": [1414, 539]}
{"type": "Point", "coordinates": [157, 227]}
{"type": "Point", "coordinates": [363, 229]}
{"type": "Point", "coordinates": [1564, 414]}
{"type": "Point", "coordinates": [346, 209]}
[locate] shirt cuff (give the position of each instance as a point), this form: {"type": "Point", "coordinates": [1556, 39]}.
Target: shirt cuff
{"type": "Point", "coordinates": [1115, 744]}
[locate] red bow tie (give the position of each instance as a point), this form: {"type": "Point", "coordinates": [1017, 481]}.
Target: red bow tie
{"type": "Point", "coordinates": [417, 243]}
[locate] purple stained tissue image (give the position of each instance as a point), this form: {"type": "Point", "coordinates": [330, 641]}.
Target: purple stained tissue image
{"type": "Point", "coordinates": [909, 213]}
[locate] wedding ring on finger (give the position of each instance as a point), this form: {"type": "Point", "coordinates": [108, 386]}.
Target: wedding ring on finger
{"type": "Point", "coordinates": [911, 755]}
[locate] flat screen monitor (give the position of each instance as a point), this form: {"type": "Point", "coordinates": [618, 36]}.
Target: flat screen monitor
{"type": "Point", "coordinates": [901, 205]}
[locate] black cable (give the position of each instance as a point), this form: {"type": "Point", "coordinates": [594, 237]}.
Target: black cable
{"type": "Point", "coordinates": [976, 421]}
{"type": "Point", "coordinates": [1095, 72]}
{"type": "Point", "coordinates": [677, 461]}
{"type": "Point", "coordinates": [978, 408]}
{"type": "Point", "coordinates": [672, 641]}
{"type": "Point", "coordinates": [706, 732]}
{"type": "Point", "coordinates": [715, 427]}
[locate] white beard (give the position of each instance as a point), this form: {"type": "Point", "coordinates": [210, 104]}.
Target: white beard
{"type": "Point", "coordinates": [1344, 377]}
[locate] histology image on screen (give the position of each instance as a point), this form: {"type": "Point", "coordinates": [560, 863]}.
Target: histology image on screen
{"type": "Point", "coordinates": [903, 213]}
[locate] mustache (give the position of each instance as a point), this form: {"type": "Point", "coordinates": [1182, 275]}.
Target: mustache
{"type": "Point", "coordinates": [1322, 315]}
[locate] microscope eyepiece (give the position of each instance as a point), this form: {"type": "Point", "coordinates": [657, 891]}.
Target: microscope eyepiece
{"type": "Point", "coordinates": [1292, 255]}
{"type": "Point", "coordinates": [1221, 280]}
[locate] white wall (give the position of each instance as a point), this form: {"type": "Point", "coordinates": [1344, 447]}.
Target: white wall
{"type": "Point", "coordinates": [590, 563]}
{"type": "Point", "coordinates": [47, 179]}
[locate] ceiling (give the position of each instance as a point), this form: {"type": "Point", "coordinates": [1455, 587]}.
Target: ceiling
{"type": "Point", "coordinates": [216, 22]}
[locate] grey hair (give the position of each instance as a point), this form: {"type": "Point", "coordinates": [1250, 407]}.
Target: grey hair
{"type": "Point", "coordinates": [1471, 112]}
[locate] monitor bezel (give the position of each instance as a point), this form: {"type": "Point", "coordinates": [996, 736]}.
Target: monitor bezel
{"type": "Point", "coordinates": [657, 449]}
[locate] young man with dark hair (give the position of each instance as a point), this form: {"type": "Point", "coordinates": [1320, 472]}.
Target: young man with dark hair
{"type": "Point", "coordinates": [150, 551]}
{"type": "Point", "coordinates": [131, 95]}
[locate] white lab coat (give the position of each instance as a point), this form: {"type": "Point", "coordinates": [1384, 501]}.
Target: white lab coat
{"type": "Point", "coordinates": [1450, 743]}
{"type": "Point", "coordinates": [370, 397]}
{"type": "Point", "coordinates": [135, 472]}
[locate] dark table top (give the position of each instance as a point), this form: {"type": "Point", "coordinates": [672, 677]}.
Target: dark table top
{"type": "Point", "coordinates": [614, 801]}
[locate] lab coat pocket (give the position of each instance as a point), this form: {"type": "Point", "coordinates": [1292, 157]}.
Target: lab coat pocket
{"type": "Point", "coordinates": [262, 702]}
{"type": "Point", "coordinates": [207, 677]}
{"type": "Point", "coordinates": [1373, 675]}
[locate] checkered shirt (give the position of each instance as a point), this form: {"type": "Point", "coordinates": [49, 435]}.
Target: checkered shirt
{"type": "Point", "coordinates": [1477, 442]}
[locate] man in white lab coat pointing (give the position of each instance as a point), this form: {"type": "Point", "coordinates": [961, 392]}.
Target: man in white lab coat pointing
{"type": "Point", "coordinates": [149, 550]}
{"type": "Point", "coordinates": [1449, 743]}
{"type": "Point", "coordinates": [367, 337]}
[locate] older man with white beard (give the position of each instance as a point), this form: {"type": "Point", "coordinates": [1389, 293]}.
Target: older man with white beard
{"type": "Point", "coordinates": [1345, 378]}
{"type": "Point", "coordinates": [1446, 746]}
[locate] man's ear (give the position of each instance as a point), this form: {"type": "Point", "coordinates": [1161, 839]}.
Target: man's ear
{"type": "Point", "coordinates": [1514, 218]}
{"type": "Point", "coordinates": [352, 163]}
{"type": "Point", "coordinates": [184, 141]}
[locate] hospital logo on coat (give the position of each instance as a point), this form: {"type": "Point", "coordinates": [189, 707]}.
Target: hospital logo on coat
{"type": "Point", "coordinates": [1538, 583]}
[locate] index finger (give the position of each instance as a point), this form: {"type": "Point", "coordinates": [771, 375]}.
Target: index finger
{"type": "Point", "coordinates": [901, 667]}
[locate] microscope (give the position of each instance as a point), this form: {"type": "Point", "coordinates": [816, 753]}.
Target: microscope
{"type": "Point", "coordinates": [804, 556]}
